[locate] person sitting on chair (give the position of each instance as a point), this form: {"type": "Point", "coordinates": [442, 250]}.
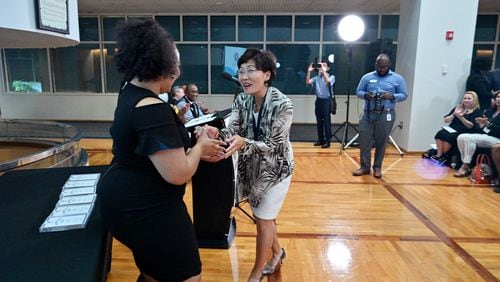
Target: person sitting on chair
{"type": "Point", "coordinates": [467, 143]}
{"type": "Point", "coordinates": [462, 119]}
{"type": "Point", "coordinates": [191, 98]}
{"type": "Point", "coordinates": [495, 155]}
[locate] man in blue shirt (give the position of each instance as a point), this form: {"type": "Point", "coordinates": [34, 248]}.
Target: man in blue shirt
{"type": "Point", "coordinates": [322, 83]}
{"type": "Point", "coordinates": [380, 89]}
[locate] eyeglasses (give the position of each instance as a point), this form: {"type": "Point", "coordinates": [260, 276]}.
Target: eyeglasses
{"type": "Point", "coordinates": [248, 72]}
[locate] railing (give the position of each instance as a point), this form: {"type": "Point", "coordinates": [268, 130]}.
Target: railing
{"type": "Point", "coordinates": [58, 144]}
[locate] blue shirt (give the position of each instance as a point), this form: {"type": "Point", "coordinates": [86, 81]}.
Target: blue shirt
{"type": "Point", "coordinates": [321, 87]}
{"type": "Point", "coordinates": [391, 82]}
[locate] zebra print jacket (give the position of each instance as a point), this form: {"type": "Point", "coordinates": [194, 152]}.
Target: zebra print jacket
{"type": "Point", "coordinates": [268, 158]}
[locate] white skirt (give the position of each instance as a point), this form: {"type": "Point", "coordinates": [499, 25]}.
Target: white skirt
{"type": "Point", "coordinates": [272, 201]}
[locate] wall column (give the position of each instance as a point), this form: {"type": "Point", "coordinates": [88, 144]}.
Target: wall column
{"type": "Point", "coordinates": [434, 68]}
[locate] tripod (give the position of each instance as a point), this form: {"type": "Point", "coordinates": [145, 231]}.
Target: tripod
{"type": "Point", "coordinates": [238, 206]}
{"type": "Point", "coordinates": [390, 140]}
{"type": "Point", "coordinates": [346, 124]}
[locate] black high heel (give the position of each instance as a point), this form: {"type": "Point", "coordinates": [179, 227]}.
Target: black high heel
{"type": "Point", "coordinates": [270, 269]}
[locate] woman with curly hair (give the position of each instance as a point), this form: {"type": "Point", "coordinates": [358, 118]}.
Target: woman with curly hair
{"type": "Point", "coordinates": [141, 195]}
{"type": "Point", "coordinates": [260, 127]}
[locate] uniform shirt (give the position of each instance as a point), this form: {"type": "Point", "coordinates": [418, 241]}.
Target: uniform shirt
{"type": "Point", "coordinates": [321, 87]}
{"type": "Point", "coordinates": [391, 82]}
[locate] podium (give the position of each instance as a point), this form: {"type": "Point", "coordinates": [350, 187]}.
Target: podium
{"type": "Point", "coordinates": [213, 187]}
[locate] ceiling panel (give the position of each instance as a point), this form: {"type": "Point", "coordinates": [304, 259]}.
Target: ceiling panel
{"type": "Point", "coordinates": [255, 6]}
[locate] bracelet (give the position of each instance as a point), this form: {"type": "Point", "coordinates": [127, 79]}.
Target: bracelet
{"type": "Point", "coordinates": [245, 142]}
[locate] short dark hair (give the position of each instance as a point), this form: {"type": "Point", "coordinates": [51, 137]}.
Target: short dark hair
{"type": "Point", "coordinates": [264, 60]}
{"type": "Point", "coordinates": [481, 63]}
{"type": "Point", "coordinates": [145, 50]}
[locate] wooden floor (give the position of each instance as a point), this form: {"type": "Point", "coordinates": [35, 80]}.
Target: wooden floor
{"type": "Point", "coordinates": [417, 223]}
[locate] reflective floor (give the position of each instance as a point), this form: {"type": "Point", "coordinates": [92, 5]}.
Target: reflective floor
{"type": "Point", "coordinates": [417, 223]}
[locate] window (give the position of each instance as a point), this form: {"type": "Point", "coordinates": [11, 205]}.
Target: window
{"type": "Point", "coordinates": [222, 28]}
{"type": "Point", "coordinates": [486, 27]}
{"type": "Point", "coordinates": [279, 28]}
{"type": "Point", "coordinates": [497, 60]}
{"type": "Point", "coordinates": [371, 28]}
{"type": "Point", "coordinates": [108, 27]}
{"type": "Point", "coordinates": [77, 68]}
{"type": "Point", "coordinates": [344, 80]}
{"type": "Point", "coordinates": [223, 59]}
{"type": "Point", "coordinates": [307, 28]}
{"type": "Point", "coordinates": [251, 28]}
{"type": "Point", "coordinates": [195, 28]}
{"type": "Point", "coordinates": [27, 70]}
{"type": "Point", "coordinates": [89, 30]}
{"type": "Point", "coordinates": [113, 77]}
{"type": "Point", "coordinates": [294, 61]}
{"type": "Point", "coordinates": [330, 28]}
{"type": "Point", "coordinates": [171, 24]}
{"type": "Point", "coordinates": [194, 64]}
{"type": "Point", "coordinates": [484, 50]}
{"type": "Point", "coordinates": [390, 26]}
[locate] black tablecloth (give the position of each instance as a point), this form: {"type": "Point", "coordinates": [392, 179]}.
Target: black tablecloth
{"type": "Point", "coordinates": [27, 197]}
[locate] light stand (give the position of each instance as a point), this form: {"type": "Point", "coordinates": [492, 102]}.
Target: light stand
{"type": "Point", "coordinates": [346, 124]}
{"type": "Point", "coordinates": [350, 29]}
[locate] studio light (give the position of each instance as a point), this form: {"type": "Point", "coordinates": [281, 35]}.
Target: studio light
{"type": "Point", "coordinates": [351, 28]}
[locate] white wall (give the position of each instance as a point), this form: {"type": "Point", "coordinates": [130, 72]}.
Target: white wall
{"type": "Point", "coordinates": [423, 52]}
{"type": "Point", "coordinates": [18, 26]}
{"type": "Point", "coordinates": [100, 107]}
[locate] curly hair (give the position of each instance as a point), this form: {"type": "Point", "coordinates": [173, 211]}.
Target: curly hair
{"type": "Point", "coordinates": [264, 60]}
{"type": "Point", "coordinates": [145, 50]}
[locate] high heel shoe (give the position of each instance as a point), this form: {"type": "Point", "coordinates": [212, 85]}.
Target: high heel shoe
{"type": "Point", "coordinates": [462, 172]}
{"type": "Point", "coordinates": [270, 269]}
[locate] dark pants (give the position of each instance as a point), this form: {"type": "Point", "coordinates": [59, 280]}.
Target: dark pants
{"type": "Point", "coordinates": [374, 129]}
{"type": "Point", "coordinates": [323, 119]}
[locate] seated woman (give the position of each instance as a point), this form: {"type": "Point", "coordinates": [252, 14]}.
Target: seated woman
{"type": "Point", "coordinates": [462, 120]}
{"type": "Point", "coordinates": [467, 143]}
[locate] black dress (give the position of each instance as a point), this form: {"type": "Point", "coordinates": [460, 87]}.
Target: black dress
{"type": "Point", "coordinates": [141, 209]}
{"type": "Point", "coordinates": [459, 127]}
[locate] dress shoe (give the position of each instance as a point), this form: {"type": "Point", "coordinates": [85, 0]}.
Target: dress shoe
{"type": "Point", "coordinates": [269, 269]}
{"type": "Point", "coordinates": [325, 145]}
{"type": "Point", "coordinates": [360, 172]}
{"type": "Point", "coordinates": [318, 143]}
{"type": "Point", "coordinates": [377, 173]}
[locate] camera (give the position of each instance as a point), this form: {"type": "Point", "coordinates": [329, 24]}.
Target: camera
{"type": "Point", "coordinates": [317, 66]}
{"type": "Point", "coordinates": [377, 97]}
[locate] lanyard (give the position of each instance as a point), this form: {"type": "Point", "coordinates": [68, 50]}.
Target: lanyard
{"type": "Point", "coordinates": [256, 126]}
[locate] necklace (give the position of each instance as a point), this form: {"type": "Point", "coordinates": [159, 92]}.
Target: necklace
{"type": "Point", "coordinates": [256, 107]}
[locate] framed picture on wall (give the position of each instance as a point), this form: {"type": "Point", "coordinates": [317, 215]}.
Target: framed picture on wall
{"type": "Point", "coordinates": [52, 15]}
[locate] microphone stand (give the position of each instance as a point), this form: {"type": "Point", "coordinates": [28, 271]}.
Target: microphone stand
{"type": "Point", "coordinates": [237, 201]}
{"type": "Point", "coordinates": [346, 124]}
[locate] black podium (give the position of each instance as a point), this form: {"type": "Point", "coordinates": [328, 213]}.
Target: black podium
{"type": "Point", "coordinates": [213, 198]}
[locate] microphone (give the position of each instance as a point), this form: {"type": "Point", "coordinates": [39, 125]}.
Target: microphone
{"type": "Point", "coordinates": [228, 76]}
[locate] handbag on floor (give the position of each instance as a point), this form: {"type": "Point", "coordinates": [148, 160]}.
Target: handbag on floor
{"type": "Point", "coordinates": [482, 173]}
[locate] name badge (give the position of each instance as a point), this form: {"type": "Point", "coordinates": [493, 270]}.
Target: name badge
{"type": "Point", "coordinates": [389, 117]}
{"type": "Point", "coordinates": [372, 81]}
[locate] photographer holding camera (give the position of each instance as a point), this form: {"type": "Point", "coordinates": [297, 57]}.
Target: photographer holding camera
{"type": "Point", "coordinates": [323, 83]}
{"type": "Point", "coordinates": [380, 89]}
